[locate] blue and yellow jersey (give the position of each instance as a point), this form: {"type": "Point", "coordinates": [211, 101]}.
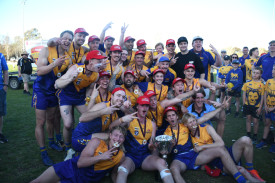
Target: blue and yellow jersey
{"type": "Point", "coordinates": [254, 91]}
{"type": "Point", "coordinates": [161, 94]}
{"type": "Point", "coordinates": [45, 83]}
{"type": "Point", "coordinates": [195, 81]}
{"type": "Point", "coordinates": [99, 98]}
{"type": "Point", "coordinates": [110, 69]}
{"type": "Point", "coordinates": [97, 125]}
{"type": "Point", "coordinates": [204, 137]}
{"type": "Point", "coordinates": [106, 164]}
{"type": "Point", "coordinates": [169, 76]}
{"type": "Point", "coordinates": [248, 66]}
{"type": "Point", "coordinates": [76, 54]}
{"type": "Point", "coordinates": [236, 78]}
{"type": "Point", "coordinates": [132, 95]}
{"type": "Point", "coordinates": [182, 138]}
{"type": "Point", "coordinates": [135, 142]}
{"type": "Point", "coordinates": [270, 92]}
{"type": "Point", "coordinates": [131, 58]}
{"type": "Point", "coordinates": [207, 60]}
{"type": "Point", "coordinates": [223, 71]}
{"type": "Point", "coordinates": [156, 116]}
{"type": "Point", "coordinates": [136, 71]}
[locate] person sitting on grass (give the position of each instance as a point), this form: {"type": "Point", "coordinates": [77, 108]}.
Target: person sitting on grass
{"type": "Point", "coordinates": [253, 92]}
{"type": "Point", "coordinates": [184, 157]}
{"type": "Point", "coordinates": [204, 137]}
{"type": "Point", "coordinates": [235, 78]}
{"type": "Point", "coordinates": [97, 159]}
{"type": "Point", "coordinates": [269, 106]}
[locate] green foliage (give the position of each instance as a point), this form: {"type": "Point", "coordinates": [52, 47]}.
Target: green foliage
{"type": "Point", "coordinates": [32, 34]}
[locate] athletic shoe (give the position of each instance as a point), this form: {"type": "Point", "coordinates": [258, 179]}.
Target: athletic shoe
{"type": "Point", "coordinates": [271, 127]}
{"type": "Point", "coordinates": [236, 114]}
{"type": "Point", "coordinates": [261, 145]}
{"type": "Point", "coordinates": [272, 148]}
{"type": "Point", "coordinates": [3, 139]}
{"type": "Point", "coordinates": [255, 174]}
{"type": "Point", "coordinates": [46, 159]}
{"type": "Point", "coordinates": [60, 143]}
{"type": "Point", "coordinates": [54, 146]}
{"type": "Point", "coordinates": [24, 92]}
{"type": "Point", "coordinates": [70, 154]}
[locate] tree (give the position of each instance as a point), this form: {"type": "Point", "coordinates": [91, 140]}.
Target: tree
{"type": "Point", "coordinates": [17, 47]}
{"type": "Point", "coordinates": [32, 34]}
{"type": "Point", "coordinates": [6, 44]}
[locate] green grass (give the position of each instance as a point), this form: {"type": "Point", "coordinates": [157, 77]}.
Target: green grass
{"type": "Point", "coordinates": [20, 158]}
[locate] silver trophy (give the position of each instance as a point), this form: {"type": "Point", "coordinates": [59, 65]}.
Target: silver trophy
{"type": "Point", "coordinates": [164, 144]}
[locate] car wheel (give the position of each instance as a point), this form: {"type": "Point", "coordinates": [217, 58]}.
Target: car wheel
{"type": "Point", "coordinates": [14, 83]}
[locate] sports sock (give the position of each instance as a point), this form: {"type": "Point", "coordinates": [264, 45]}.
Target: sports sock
{"type": "Point", "coordinates": [67, 146]}
{"type": "Point", "coordinates": [51, 141]}
{"type": "Point", "coordinates": [249, 166]}
{"type": "Point", "coordinates": [239, 178]}
{"type": "Point", "coordinates": [58, 137]}
{"type": "Point", "coordinates": [43, 150]}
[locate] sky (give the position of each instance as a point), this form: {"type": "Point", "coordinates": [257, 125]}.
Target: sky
{"type": "Point", "coordinates": [222, 23]}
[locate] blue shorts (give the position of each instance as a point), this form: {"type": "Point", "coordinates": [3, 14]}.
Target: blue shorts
{"type": "Point", "coordinates": [3, 102]}
{"type": "Point", "coordinates": [67, 171]}
{"type": "Point", "coordinates": [80, 143]}
{"type": "Point", "coordinates": [137, 158]}
{"type": "Point", "coordinates": [270, 115]}
{"type": "Point", "coordinates": [218, 162]}
{"type": "Point", "coordinates": [42, 101]}
{"type": "Point", "coordinates": [188, 158]}
{"type": "Point", "coordinates": [65, 99]}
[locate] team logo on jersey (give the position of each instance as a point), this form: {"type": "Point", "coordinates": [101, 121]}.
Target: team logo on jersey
{"type": "Point", "coordinates": [73, 53]}
{"type": "Point", "coordinates": [78, 81]}
{"type": "Point", "coordinates": [53, 59]}
{"type": "Point", "coordinates": [106, 120]}
{"type": "Point", "coordinates": [136, 131]}
{"type": "Point", "coordinates": [100, 153]}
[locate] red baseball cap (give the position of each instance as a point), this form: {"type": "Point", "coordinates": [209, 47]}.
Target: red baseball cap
{"type": "Point", "coordinates": [93, 37]}
{"type": "Point", "coordinates": [170, 41]}
{"type": "Point", "coordinates": [95, 54]}
{"type": "Point", "coordinates": [170, 108]}
{"type": "Point", "coordinates": [81, 30]}
{"type": "Point", "coordinates": [176, 80]}
{"type": "Point", "coordinates": [129, 72]}
{"type": "Point", "coordinates": [117, 89]}
{"type": "Point", "coordinates": [141, 42]}
{"type": "Point", "coordinates": [104, 73]}
{"type": "Point", "coordinates": [212, 172]}
{"type": "Point", "coordinates": [129, 38]}
{"type": "Point", "coordinates": [140, 52]}
{"type": "Point", "coordinates": [187, 66]}
{"type": "Point", "coordinates": [158, 70]}
{"type": "Point", "coordinates": [116, 48]}
{"type": "Point", "coordinates": [149, 93]}
{"type": "Point", "coordinates": [109, 37]}
{"type": "Point", "coordinates": [143, 100]}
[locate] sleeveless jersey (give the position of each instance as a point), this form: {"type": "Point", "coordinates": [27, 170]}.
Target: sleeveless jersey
{"type": "Point", "coordinates": [100, 98]}
{"type": "Point", "coordinates": [133, 96]}
{"type": "Point", "coordinates": [76, 54]}
{"type": "Point", "coordinates": [161, 94]}
{"type": "Point", "coordinates": [204, 138]}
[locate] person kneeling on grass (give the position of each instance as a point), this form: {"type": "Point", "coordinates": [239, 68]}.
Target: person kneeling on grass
{"type": "Point", "coordinates": [253, 92]}
{"type": "Point", "coordinates": [139, 137]}
{"type": "Point", "coordinates": [96, 160]}
{"type": "Point", "coordinates": [204, 137]}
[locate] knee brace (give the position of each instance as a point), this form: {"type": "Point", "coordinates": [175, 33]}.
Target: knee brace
{"type": "Point", "coordinates": [122, 169]}
{"type": "Point", "coordinates": [164, 173]}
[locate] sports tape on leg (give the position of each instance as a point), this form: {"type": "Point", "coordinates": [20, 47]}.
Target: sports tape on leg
{"type": "Point", "coordinates": [164, 173]}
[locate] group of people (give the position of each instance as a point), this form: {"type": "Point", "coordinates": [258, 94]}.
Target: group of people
{"type": "Point", "coordinates": [126, 98]}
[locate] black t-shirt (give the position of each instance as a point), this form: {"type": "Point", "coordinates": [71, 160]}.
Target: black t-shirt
{"type": "Point", "coordinates": [190, 57]}
{"type": "Point", "coordinates": [26, 65]}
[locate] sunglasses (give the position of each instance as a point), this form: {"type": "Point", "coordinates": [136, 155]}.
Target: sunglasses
{"type": "Point", "coordinates": [234, 57]}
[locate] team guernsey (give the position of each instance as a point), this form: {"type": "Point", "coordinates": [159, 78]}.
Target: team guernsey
{"type": "Point", "coordinates": [183, 150]}
{"type": "Point", "coordinates": [68, 171]}
{"type": "Point", "coordinates": [236, 78]}
{"type": "Point", "coordinates": [157, 117]}
{"type": "Point", "coordinates": [169, 76]}
{"type": "Point", "coordinates": [83, 132]}
{"type": "Point", "coordinates": [137, 72]}
{"type": "Point", "coordinates": [270, 97]}
{"type": "Point", "coordinates": [248, 65]}
{"type": "Point", "coordinates": [254, 91]}
{"type": "Point", "coordinates": [75, 92]}
{"type": "Point", "coordinates": [161, 94]}
{"type": "Point", "coordinates": [137, 140]}
{"type": "Point", "coordinates": [43, 87]}
{"type": "Point", "coordinates": [207, 60]}
{"type": "Point", "coordinates": [131, 58]}
{"type": "Point", "coordinates": [100, 98]}
{"type": "Point", "coordinates": [132, 95]}
{"type": "Point", "coordinates": [76, 54]}
{"type": "Point", "coordinates": [110, 69]}
{"type": "Point", "coordinates": [223, 71]}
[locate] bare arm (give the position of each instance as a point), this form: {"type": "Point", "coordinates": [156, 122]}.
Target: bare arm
{"type": "Point", "coordinates": [121, 39]}
{"type": "Point", "coordinates": [218, 56]}
{"type": "Point", "coordinates": [5, 79]}
{"type": "Point", "coordinates": [67, 78]}
{"type": "Point", "coordinates": [165, 103]}
{"type": "Point", "coordinates": [202, 76]}
{"type": "Point", "coordinates": [102, 35]}
{"type": "Point", "coordinates": [218, 142]}
{"type": "Point", "coordinates": [19, 71]}
{"type": "Point", "coordinates": [54, 42]}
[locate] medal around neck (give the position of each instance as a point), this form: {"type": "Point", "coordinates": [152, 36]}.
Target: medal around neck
{"type": "Point", "coordinates": [79, 69]}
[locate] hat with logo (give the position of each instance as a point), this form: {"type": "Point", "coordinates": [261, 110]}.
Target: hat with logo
{"type": "Point", "coordinates": [109, 37]}
{"type": "Point", "coordinates": [128, 38]}
{"type": "Point", "coordinates": [93, 37]}
{"type": "Point", "coordinates": [158, 70]}
{"type": "Point", "coordinates": [140, 52]}
{"type": "Point", "coordinates": [104, 73]}
{"type": "Point", "coordinates": [170, 108]}
{"type": "Point", "coordinates": [143, 100]}
{"type": "Point", "coordinates": [116, 48]}
{"type": "Point", "coordinates": [95, 54]}
{"type": "Point", "coordinates": [81, 30]}
{"type": "Point", "coordinates": [129, 72]}
{"type": "Point", "coordinates": [226, 57]}
{"type": "Point", "coordinates": [117, 89]}
{"type": "Point", "coordinates": [197, 38]}
{"type": "Point", "coordinates": [187, 66]}
{"type": "Point", "coordinates": [170, 41]}
{"type": "Point", "coordinates": [141, 42]}
{"type": "Point", "coordinates": [149, 93]}
{"type": "Point", "coordinates": [177, 80]}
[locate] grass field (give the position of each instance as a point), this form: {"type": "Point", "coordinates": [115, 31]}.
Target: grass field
{"type": "Point", "coordinates": [20, 158]}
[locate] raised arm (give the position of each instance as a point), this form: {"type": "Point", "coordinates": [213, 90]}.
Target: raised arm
{"type": "Point", "coordinates": [218, 62]}
{"type": "Point", "coordinates": [54, 42]}
{"type": "Point", "coordinates": [121, 39]}
{"type": "Point", "coordinates": [67, 78]}
{"type": "Point", "coordinates": [102, 35]}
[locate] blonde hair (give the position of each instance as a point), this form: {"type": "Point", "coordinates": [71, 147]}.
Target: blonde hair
{"type": "Point", "coordinates": [159, 44]}
{"type": "Point", "coordinates": [122, 130]}
{"type": "Point", "coordinates": [186, 116]}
